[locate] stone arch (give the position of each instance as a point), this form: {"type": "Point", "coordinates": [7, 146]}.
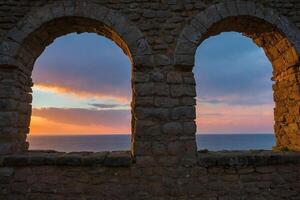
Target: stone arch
{"type": "Point", "coordinates": [268, 29]}
{"type": "Point", "coordinates": [25, 42]}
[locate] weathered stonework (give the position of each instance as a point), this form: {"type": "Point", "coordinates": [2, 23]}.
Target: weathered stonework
{"type": "Point", "coordinates": [104, 176]}
{"type": "Point", "coordinates": [160, 38]}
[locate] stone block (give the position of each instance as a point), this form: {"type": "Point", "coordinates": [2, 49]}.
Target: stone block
{"type": "Point", "coordinates": [157, 76]}
{"type": "Point", "coordinates": [183, 90]}
{"type": "Point", "coordinates": [200, 27]}
{"type": "Point", "coordinates": [57, 10]}
{"type": "Point", "coordinates": [151, 113]}
{"type": "Point", "coordinates": [204, 20]}
{"type": "Point", "coordinates": [189, 128]}
{"type": "Point", "coordinates": [192, 34]}
{"type": "Point", "coordinates": [184, 112]}
{"type": "Point", "coordinates": [213, 14]}
{"type": "Point", "coordinates": [144, 89]}
{"type": "Point", "coordinates": [144, 101]}
{"type": "Point", "coordinates": [6, 171]}
{"type": "Point", "coordinates": [168, 161]}
{"type": "Point", "coordinates": [94, 158]}
{"type": "Point", "coordinates": [120, 26]}
{"type": "Point", "coordinates": [135, 41]}
{"type": "Point", "coordinates": [174, 77]}
{"type": "Point", "coordinates": [185, 46]}
{"type": "Point", "coordinates": [172, 128]}
{"type": "Point", "coordinates": [162, 60]}
{"type": "Point", "coordinates": [9, 92]}
{"type": "Point", "coordinates": [145, 161]}
{"type": "Point", "coordinates": [140, 77]}
{"type": "Point", "coordinates": [189, 80]}
{"type": "Point", "coordinates": [232, 8]}
{"type": "Point", "coordinates": [185, 62]}
{"type": "Point", "coordinates": [8, 105]}
{"type": "Point", "coordinates": [142, 147]}
{"type": "Point", "coordinates": [166, 102]}
{"type": "Point", "coordinates": [222, 10]}
{"type": "Point", "coordinates": [141, 125]}
{"type": "Point", "coordinates": [143, 61]}
{"type": "Point", "coordinates": [161, 89]}
{"type": "Point", "coordinates": [10, 134]}
{"type": "Point", "coordinates": [8, 119]}
{"type": "Point", "coordinates": [69, 160]}
{"type": "Point", "coordinates": [188, 101]}
{"type": "Point", "coordinates": [159, 148]}
{"type": "Point", "coordinates": [118, 159]}
{"type": "Point", "coordinates": [174, 148]}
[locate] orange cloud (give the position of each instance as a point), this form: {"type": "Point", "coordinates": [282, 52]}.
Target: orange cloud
{"type": "Point", "coordinates": [79, 93]}
{"type": "Point", "coordinates": [43, 126]}
{"type": "Point", "coordinates": [210, 119]}
{"type": "Point", "coordinates": [235, 119]}
{"type": "Point", "coordinates": [79, 121]}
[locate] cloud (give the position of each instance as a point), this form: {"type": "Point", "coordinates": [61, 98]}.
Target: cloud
{"type": "Point", "coordinates": [231, 69]}
{"type": "Point", "coordinates": [85, 64]}
{"type": "Point", "coordinates": [85, 94]}
{"type": "Point", "coordinates": [43, 126]}
{"type": "Point", "coordinates": [211, 114]}
{"type": "Point", "coordinates": [207, 100]}
{"type": "Point", "coordinates": [236, 99]}
{"type": "Point", "coordinates": [259, 124]}
{"type": "Point", "coordinates": [233, 86]}
{"type": "Point", "coordinates": [101, 105]}
{"type": "Point", "coordinates": [85, 117]}
{"type": "Point", "coordinates": [220, 118]}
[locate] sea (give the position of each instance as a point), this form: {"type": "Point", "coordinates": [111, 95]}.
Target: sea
{"type": "Point", "coordinates": [211, 142]}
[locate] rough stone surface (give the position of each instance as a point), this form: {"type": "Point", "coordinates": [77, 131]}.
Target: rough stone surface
{"type": "Point", "coordinates": [217, 175]}
{"type": "Point", "coordinates": [37, 158]}
{"type": "Point", "coordinates": [160, 38]}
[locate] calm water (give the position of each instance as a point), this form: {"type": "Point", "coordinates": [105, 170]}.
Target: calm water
{"type": "Point", "coordinates": [122, 142]}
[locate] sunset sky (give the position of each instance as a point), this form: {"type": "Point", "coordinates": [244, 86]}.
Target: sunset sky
{"type": "Point", "coordinates": [82, 86]}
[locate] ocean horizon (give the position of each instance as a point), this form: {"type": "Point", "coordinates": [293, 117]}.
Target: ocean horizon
{"type": "Point", "coordinates": [121, 142]}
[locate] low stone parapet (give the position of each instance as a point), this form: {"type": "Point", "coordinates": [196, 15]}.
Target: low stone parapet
{"type": "Point", "coordinates": [39, 158]}
{"type": "Point", "coordinates": [246, 158]}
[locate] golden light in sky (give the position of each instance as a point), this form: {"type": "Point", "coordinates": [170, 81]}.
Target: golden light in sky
{"type": "Point", "coordinates": [82, 86]}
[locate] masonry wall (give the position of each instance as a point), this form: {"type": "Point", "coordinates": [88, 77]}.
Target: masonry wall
{"type": "Point", "coordinates": [160, 38]}
{"type": "Point", "coordinates": [228, 176]}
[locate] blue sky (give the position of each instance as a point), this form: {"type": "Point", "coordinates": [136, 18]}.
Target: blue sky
{"type": "Point", "coordinates": [82, 84]}
{"type": "Point", "coordinates": [232, 65]}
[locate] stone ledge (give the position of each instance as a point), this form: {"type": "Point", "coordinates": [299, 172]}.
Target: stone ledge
{"type": "Point", "coordinates": [246, 158]}
{"type": "Point", "coordinates": [38, 158]}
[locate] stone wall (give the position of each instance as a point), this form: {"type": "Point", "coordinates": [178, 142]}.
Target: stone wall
{"type": "Point", "coordinates": [218, 175]}
{"type": "Point", "coordinates": [160, 38]}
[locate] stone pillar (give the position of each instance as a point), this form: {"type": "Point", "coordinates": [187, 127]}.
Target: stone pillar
{"type": "Point", "coordinates": [164, 113]}
{"type": "Point", "coordinates": [15, 109]}
{"type": "Point", "coordinates": [287, 110]}
{"type": "Point", "coordinates": [182, 124]}
{"type": "Point", "coordinates": [286, 75]}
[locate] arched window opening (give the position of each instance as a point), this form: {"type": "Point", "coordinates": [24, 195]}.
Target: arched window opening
{"type": "Point", "coordinates": [81, 95]}
{"type": "Point", "coordinates": [278, 38]}
{"type": "Point", "coordinates": [234, 94]}
{"type": "Point", "coordinates": [26, 42]}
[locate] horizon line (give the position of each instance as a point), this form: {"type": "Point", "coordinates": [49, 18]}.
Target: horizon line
{"type": "Point", "coordinates": [112, 134]}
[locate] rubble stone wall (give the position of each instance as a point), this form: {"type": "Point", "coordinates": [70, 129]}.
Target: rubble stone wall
{"type": "Point", "coordinates": [113, 176]}
{"type": "Point", "coordinates": [160, 38]}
